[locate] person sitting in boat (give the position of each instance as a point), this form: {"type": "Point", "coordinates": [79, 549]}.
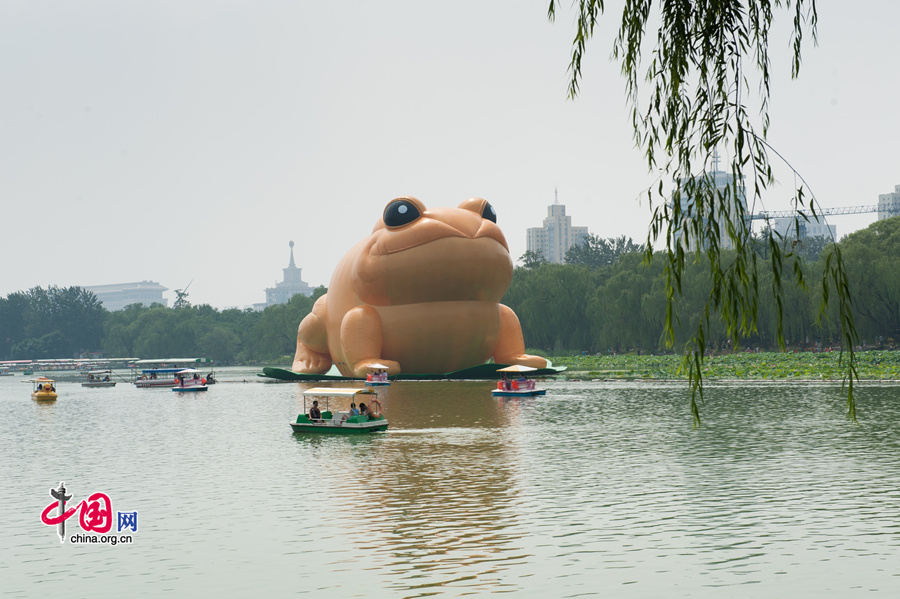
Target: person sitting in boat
{"type": "Point", "coordinates": [106, 379]}
{"type": "Point", "coordinates": [354, 411]}
{"type": "Point", "coordinates": [363, 409]}
{"type": "Point", "coordinates": [40, 387]}
{"type": "Point", "coordinates": [152, 376]}
{"type": "Point", "coordinates": [314, 412]}
{"type": "Point", "coordinates": [209, 378]}
{"type": "Point", "coordinates": [90, 377]}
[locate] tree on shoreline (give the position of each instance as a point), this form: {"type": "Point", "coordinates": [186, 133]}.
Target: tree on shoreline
{"type": "Point", "coordinates": [48, 323]}
{"type": "Point", "coordinates": [625, 303]}
{"type": "Point", "coordinates": [596, 251]}
{"type": "Point", "coordinates": [701, 100]}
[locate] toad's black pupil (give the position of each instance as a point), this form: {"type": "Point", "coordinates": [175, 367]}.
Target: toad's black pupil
{"type": "Point", "coordinates": [489, 213]}
{"type": "Point", "coordinates": [399, 213]}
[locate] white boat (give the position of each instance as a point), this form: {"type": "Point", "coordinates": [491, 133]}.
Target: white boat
{"type": "Point", "coordinates": [189, 380]}
{"type": "Point", "coordinates": [519, 386]}
{"type": "Point", "coordinates": [156, 377]}
{"type": "Point", "coordinates": [98, 378]}
{"type": "Point", "coordinates": [377, 375]}
{"type": "Point", "coordinates": [4, 371]}
{"type": "Point", "coordinates": [162, 372]}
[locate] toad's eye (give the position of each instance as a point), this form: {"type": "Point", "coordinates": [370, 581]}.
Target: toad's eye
{"type": "Point", "coordinates": [399, 213]}
{"type": "Point", "coordinates": [489, 213]}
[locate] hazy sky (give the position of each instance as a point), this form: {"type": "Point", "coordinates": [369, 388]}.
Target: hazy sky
{"type": "Point", "coordinates": [191, 140]}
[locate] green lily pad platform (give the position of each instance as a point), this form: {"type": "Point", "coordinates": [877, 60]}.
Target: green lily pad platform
{"type": "Point", "coordinates": [481, 371]}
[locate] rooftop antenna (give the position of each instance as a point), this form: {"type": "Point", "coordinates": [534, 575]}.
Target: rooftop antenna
{"type": "Point", "coordinates": [556, 195]}
{"type": "Point", "coordinates": [715, 159]}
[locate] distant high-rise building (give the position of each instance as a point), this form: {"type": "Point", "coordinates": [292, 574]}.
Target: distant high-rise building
{"type": "Point", "coordinates": [889, 204]}
{"type": "Point", "coordinates": [554, 239]}
{"type": "Point", "coordinates": [117, 296]}
{"type": "Point", "coordinates": [290, 286]}
{"type": "Point", "coordinates": [812, 228]}
{"type": "Point", "coordinates": [722, 182]}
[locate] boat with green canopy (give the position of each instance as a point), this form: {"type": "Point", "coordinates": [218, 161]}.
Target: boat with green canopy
{"type": "Point", "coordinates": [369, 418]}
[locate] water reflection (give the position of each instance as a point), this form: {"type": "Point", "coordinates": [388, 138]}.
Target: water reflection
{"type": "Point", "coordinates": [593, 489]}
{"type": "Point", "coordinates": [434, 501]}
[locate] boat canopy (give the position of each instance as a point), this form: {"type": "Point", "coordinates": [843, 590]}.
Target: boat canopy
{"type": "Point", "coordinates": [377, 366]}
{"type": "Point", "coordinates": [41, 380]}
{"type": "Point", "coordinates": [189, 371]}
{"type": "Point", "coordinates": [337, 392]}
{"type": "Point", "coordinates": [160, 370]}
{"type": "Point", "coordinates": [171, 361]}
{"type": "Point", "coordinates": [517, 368]}
{"type": "Point", "coordinates": [99, 372]}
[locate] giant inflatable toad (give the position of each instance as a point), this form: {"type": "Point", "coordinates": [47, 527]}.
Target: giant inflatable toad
{"type": "Point", "coordinates": [420, 295]}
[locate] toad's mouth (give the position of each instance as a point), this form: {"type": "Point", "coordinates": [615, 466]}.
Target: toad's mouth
{"type": "Point", "coordinates": [429, 230]}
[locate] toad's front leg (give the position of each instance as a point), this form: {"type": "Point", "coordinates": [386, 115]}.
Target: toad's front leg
{"type": "Point", "coordinates": [361, 340]}
{"type": "Point", "coordinates": [510, 347]}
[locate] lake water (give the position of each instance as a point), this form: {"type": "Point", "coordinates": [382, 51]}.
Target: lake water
{"type": "Point", "coordinates": [597, 489]}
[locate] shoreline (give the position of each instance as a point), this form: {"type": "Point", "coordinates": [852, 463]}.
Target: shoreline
{"type": "Point", "coordinates": [872, 366]}
{"type": "Point", "coordinates": [708, 380]}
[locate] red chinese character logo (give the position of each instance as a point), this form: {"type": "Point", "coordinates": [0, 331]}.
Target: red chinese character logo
{"type": "Point", "coordinates": [96, 514]}
{"type": "Point", "coordinates": [46, 518]}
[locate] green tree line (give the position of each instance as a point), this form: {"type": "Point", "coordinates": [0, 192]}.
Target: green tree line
{"type": "Point", "coordinates": [607, 298]}
{"type": "Point", "coordinates": [68, 322]}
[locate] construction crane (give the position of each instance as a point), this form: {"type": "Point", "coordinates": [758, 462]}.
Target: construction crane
{"type": "Point", "coordinates": [766, 215]}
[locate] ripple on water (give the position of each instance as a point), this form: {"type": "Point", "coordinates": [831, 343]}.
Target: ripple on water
{"type": "Point", "coordinates": [597, 488]}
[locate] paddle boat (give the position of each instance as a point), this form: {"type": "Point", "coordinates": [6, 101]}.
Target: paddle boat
{"type": "Point", "coordinates": [157, 377]}
{"type": "Point", "coordinates": [340, 422]}
{"type": "Point", "coordinates": [98, 378]}
{"type": "Point", "coordinates": [4, 371]}
{"type": "Point", "coordinates": [188, 380]}
{"type": "Point", "coordinates": [43, 389]}
{"type": "Point", "coordinates": [162, 373]}
{"type": "Point", "coordinates": [516, 387]}
{"type": "Point", "coordinates": [377, 376]}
